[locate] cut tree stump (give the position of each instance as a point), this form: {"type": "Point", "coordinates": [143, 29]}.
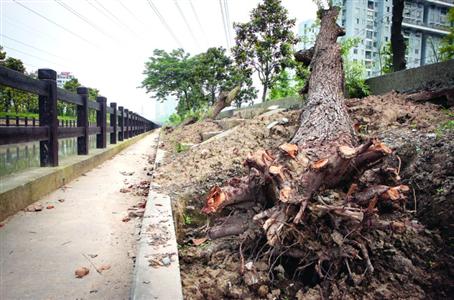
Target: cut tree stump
{"type": "Point", "coordinates": [279, 200]}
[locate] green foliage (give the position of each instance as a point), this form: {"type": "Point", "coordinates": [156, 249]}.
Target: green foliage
{"type": "Point", "coordinates": [386, 58]}
{"type": "Point", "coordinates": [447, 126]}
{"type": "Point", "coordinates": [447, 43]}
{"type": "Point", "coordinates": [286, 85]}
{"type": "Point", "coordinates": [179, 147]}
{"type": "Point", "coordinates": [195, 81]}
{"type": "Point", "coordinates": [264, 44]}
{"type": "Point", "coordinates": [187, 220]}
{"type": "Point", "coordinates": [355, 83]}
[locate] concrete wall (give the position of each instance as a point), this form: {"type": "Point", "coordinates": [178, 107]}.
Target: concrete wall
{"type": "Point", "coordinates": [244, 112]}
{"type": "Point", "coordinates": [428, 76]}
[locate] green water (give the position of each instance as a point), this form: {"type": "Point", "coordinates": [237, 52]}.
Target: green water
{"type": "Point", "coordinates": [19, 157]}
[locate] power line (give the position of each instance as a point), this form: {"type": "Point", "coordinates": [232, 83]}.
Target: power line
{"type": "Point", "coordinates": [56, 24]}
{"type": "Point", "coordinates": [198, 20]}
{"type": "Point", "coordinates": [115, 18]}
{"type": "Point", "coordinates": [227, 18]}
{"type": "Point", "coordinates": [224, 23]}
{"type": "Point", "coordinates": [163, 21]}
{"type": "Point", "coordinates": [28, 29]}
{"type": "Point", "coordinates": [33, 47]}
{"type": "Point", "coordinates": [31, 55]}
{"type": "Point", "coordinates": [187, 23]}
{"type": "Point", "coordinates": [74, 12]}
{"type": "Point", "coordinates": [131, 13]}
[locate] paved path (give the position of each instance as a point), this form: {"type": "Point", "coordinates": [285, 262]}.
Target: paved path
{"type": "Point", "coordinates": [40, 251]}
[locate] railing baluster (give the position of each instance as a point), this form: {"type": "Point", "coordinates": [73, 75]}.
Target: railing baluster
{"type": "Point", "coordinates": [121, 123]}
{"type": "Point", "coordinates": [126, 132]}
{"type": "Point", "coordinates": [113, 123]}
{"type": "Point", "coordinates": [101, 121]}
{"type": "Point", "coordinates": [82, 121]}
{"type": "Point", "coordinates": [48, 149]}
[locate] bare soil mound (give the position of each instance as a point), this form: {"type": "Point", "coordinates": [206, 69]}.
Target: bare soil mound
{"type": "Point", "coordinates": [413, 263]}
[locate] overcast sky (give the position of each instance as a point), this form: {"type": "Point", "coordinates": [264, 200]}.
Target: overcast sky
{"type": "Point", "coordinates": [105, 43]}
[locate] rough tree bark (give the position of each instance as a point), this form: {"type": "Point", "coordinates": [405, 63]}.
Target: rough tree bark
{"type": "Point", "coordinates": [323, 153]}
{"type": "Point", "coordinates": [397, 39]}
{"type": "Point", "coordinates": [224, 100]}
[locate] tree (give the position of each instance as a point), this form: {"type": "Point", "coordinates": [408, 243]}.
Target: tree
{"type": "Point", "coordinates": [385, 55]}
{"type": "Point", "coordinates": [279, 207]}
{"type": "Point", "coordinates": [264, 44]}
{"type": "Point", "coordinates": [196, 81]}
{"type": "Point", "coordinates": [11, 97]}
{"type": "Point", "coordinates": [398, 45]}
{"type": "Point", "coordinates": [447, 43]}
{"type": "Point", "coordinates": [286, 85]}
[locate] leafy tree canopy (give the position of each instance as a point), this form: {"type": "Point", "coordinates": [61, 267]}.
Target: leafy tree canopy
{"type": "Point", "coordinates": [195, 81]}
{"type": "Point", "coordinates": [264, 44]}
{"type": "Point", "coordinates": [447, 44]}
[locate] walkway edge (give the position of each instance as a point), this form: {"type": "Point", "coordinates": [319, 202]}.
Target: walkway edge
{"type": "Point", "coordinates": [157, 282]}
{"type": "Point", "coordinates": [29, 186]}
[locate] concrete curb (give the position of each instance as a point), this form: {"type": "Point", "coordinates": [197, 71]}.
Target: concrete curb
{"type": "Point", "coordinates": [21, 190]}
{"type": "Point", "coordinates": [157, 246]}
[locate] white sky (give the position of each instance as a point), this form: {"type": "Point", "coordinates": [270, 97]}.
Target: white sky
{"type": "Point", "coordinates": [110, 54]}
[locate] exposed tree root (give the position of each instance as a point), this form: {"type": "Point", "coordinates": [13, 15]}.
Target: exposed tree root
{"type": "Point", "coordinates": [283, 199]}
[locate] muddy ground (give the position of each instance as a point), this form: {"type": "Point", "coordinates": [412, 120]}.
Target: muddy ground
{"type": "Point", "coordinates": [415, 263]}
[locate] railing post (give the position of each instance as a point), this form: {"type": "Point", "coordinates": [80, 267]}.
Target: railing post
{"type": "Point", "coordinates": [48, 150]}
{"type": "Point", "coordinates": [133, 124]}
{"type": "Point", "coordinates": [113, 123]}
{"type": "Point", "coordinates": [101, 121]}
{"type": "Point", "coordinates": [121, 123]}
{"type": "Point", "coordinates": [82, 121]}
{"type": "Point", "coordinates": [126, 132]}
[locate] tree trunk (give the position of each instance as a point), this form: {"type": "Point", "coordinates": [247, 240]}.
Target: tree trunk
{"type": "Point", "coordinates": [397, 39]}
{"type": "Point", "coordinates": [224, 100]}
{"type": "Point", "coordinates": [323, 153]}
{"type": "Point", "coordinates": [265, 90]}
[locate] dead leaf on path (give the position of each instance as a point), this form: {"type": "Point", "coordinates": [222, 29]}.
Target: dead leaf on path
{"type": "Point", "coordinates": [93, 255]}
{"type": "Point", "coordinates": [104, 268]}
{"type": "Point", "coordinates": [50, 206]}
{"type": "Point", "coordinates": [200, 241]}
{"type": "Point", "coordinates": [61, 200]}
{"type": "Point", "coordinates": [1, 225]}
{"type": "Point", "coordinates": [123, 190]}
{"type": "Point", "coordinates": [126, 219]}
{"type": "Point", "coordinates": [34, 208]}
{"type": "Point", "coordinates": [81, 272]}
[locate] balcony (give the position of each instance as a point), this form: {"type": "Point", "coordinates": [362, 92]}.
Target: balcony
{"type": "Point", "coordinates": [432, 28]}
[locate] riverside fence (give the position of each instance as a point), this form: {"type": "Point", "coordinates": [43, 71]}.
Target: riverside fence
{"type": "Point", "coordinates": [47, 129]}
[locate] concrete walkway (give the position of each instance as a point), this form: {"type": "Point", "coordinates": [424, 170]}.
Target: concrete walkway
{"type": "Point", "coordinates": [40, 251]}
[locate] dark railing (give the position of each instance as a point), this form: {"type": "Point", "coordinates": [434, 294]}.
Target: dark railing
{"type": "Point", "coordinates": [47, 129]}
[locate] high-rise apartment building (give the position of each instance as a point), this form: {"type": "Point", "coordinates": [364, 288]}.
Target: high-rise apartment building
{"type": "Point", "coordinates": [63, 77]}
{"type": "Point", "coordinates": [424, 25]}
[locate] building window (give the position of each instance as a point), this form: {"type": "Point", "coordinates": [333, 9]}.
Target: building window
{"type": "Point", "coordinates": [355, 51]}
{"type": "Point", "coordinates": [357, 20]}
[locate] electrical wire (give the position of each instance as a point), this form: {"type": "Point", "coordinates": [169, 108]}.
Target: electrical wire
{"type": "Point", "coordinates": [77, 14]}
{"type": "Point", "coordinates": [225, 25]}
{"type": "Point", "coordinates": [115, 18]}
{"type": "Point", "coordinates": [163, 21]}
{"type": "Point", "coordinates": [54, 23]}
{"type": "Point", "coordinates": [198, 20]}
{"type": "Point", "coordinates": [33, 47]}
{"type": "Point", "coordinates": [187, 23]}
{"type": "Point", "coordinates": [31, 55]}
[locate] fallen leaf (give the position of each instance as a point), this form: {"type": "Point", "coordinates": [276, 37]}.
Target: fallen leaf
{"type": "Point", "coordinates": [124, 190]}
{"type": "Point", "coordinates": [50, 206]}
{"type": "Point", "coordinates": [126, 219]}
{"type": "Point", "coordinates": [104, 268]}
{"type": "Point", "coordinates": [290, 149]}
{"type": "Point", "coordinates": [200, 241]}
{"type": "Point", "coordinates": [81, 272]}
{"type": "Point", "coordinates": [1, 225]}
{"type": "Point", "coordinates": [61, 200]}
